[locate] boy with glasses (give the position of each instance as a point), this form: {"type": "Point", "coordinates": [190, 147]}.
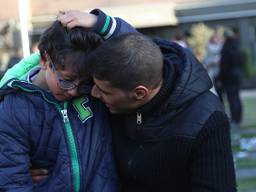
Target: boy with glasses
{"type": "Point", "coordinates": [46, 123]}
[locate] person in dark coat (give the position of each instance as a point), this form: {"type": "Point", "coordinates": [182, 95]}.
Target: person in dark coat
{"type": "Point", "coordinates": [230, 74]}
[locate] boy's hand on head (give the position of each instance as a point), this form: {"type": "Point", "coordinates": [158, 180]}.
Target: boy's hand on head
{"type": "Point", "coordinates": [75, 18]}
{"type": "Point", "coordinates": [38, 174]}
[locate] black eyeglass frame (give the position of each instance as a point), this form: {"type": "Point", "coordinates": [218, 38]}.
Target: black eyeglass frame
{"type": "Point", "coordinates": [66, 85]}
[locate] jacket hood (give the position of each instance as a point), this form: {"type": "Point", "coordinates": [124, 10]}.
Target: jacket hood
{"type": "Point", "coordinates": [184, 78]}
{"type": "Point", "coordinates": [192, 79]}
{"type": "Point", "coordinates": [20, 70]}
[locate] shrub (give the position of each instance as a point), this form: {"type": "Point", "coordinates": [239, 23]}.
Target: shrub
{"type": "Point", "coordinates": [249, 68]}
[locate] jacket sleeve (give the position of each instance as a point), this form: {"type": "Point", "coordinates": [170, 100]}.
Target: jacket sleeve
{"type": "Point", "coordinates": [212, 166]}
{"type": "Point", "coordinates": [20, 70]}
{"type": "Point", "coordinates": [108, 26]}
{"type": "Point", "coordinates": [14, 149]}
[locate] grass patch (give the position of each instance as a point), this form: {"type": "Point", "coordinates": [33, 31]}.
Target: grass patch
{"type": "Point", "coordinates": [249, 106]}
{"type": "Point", "coordinates": [249, 120]}
{"type": "Point", "coordinates": [235, 148]}
{"type": "Point", "coordinates": [246, 184]}
{"type": "Point", "coordinates": [248, 135]}
{"type": "Point", "coordinates": [246, 163]}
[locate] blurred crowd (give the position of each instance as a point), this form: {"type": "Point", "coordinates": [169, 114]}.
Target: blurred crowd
{"type": "Point", "coordinates": [223, 60]}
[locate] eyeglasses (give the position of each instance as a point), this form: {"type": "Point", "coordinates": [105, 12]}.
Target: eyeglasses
{"type": "Point", "coordinates": [84, 88]}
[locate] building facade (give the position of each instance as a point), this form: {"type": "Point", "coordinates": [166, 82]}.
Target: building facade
{"type": "Point", "coordinates": [155, 18]}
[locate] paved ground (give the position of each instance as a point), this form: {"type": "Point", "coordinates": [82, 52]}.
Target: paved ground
{"type": "Point", "coordinates": [246, 173]}
{"type": "Point", "coordinates": [248, 93]}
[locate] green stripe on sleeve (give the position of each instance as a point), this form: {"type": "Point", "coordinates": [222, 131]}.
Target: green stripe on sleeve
{"type": "Point", "coordinates": [106, 24]}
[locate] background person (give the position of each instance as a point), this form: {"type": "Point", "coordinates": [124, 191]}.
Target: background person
{"type": "Point", "coordinates": [230, 74]}
{"type": "Point", "coordinates": [212, 59]}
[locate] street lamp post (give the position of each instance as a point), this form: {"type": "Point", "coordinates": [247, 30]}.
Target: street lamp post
{"type": "Point", "coordinates": [23, 15]}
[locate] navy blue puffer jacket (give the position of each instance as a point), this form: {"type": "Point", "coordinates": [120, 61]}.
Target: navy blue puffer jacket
{"type": "Point", "coordinates": [71, 140]}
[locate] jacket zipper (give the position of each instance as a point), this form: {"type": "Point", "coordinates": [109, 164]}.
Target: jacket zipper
{"type": "Point", "coordinates": [139, 118]}
{"type": "Point", "coordinates": [72, 146]}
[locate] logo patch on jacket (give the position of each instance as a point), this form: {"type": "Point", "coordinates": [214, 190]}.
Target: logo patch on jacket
{"type": "Point", "coordinates": [84, 111]}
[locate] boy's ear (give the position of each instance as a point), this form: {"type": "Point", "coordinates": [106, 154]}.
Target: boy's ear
{"type": "Point", "coordinates": [43, 64]}
{"type": "Point", "coordinates": [140, 92]}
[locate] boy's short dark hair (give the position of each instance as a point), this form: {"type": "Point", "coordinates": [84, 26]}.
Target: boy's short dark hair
{"type": "Point", "coordinates": [127, 61]}
{"type": "Point", "coordinates": [68, 47]}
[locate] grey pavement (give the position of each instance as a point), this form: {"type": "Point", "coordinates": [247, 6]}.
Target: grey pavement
{"type": "Point", "coordinates": [248, 93]}
{"type": "Point", "coordinates": [246, 173]}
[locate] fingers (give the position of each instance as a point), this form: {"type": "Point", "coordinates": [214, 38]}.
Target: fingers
{"type": "Point", "coordinates": [75, 18]}
{"type": "Point", "coordinates": [60, 13]}
{"type": "Point", "coordinates": [66, 19]}
{"type": "Point", "coordinates": [71, 24]}
{"type": "Point", "coordinates": [38, 172]}
{"type": "Point", "coordinates": [37, 179]}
